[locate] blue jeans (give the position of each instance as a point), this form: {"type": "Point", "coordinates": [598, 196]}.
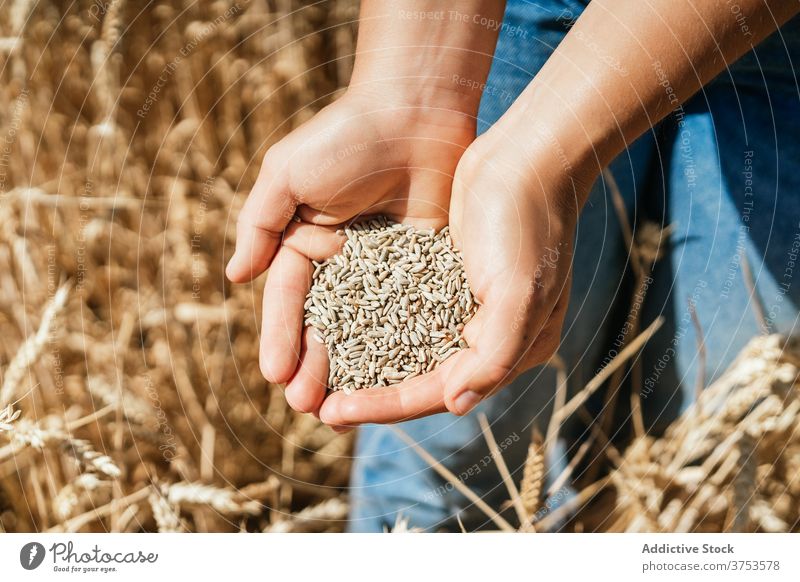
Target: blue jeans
{"type": "Point", "coordinates": [724, 172]}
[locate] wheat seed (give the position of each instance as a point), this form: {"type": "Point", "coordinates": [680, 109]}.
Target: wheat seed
{"type": "Point", "coordinates": [390, 306]}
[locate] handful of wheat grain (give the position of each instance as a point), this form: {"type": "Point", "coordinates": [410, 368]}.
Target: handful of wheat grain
{"type": "Point", "coordinates": [391, 305]}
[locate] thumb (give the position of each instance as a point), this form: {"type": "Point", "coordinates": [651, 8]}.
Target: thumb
{"type": "Point", "coordinates": [495, 341]}
{"type": "Point", "coordinates": [472, 378]}
{"type": "Point", "coordinates": [262, 220]}
{"type": "Point", "coordinates": [508, 339]}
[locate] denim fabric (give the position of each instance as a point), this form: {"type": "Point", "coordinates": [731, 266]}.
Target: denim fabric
{"type": "Point", "coordinates": [723, 172]}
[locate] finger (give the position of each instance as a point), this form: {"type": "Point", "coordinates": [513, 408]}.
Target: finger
{"type": "Point", "coordinates": [420, 396]}
{"type": "Point", "coordinates": [261, 223]}
{"type": "Point", "coordinates": [313, 241]}
{"type": "Point", "coordinates": [496, 337]}
{"type": "Point", "coordinates": [306, 390]}
{"type": "Point", "coordinates": [502, 342]}
{"type": "Point", "coordinates": [288, 282]}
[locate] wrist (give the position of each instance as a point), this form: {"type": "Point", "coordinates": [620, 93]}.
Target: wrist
{"type": "Point", "coordinates": [555, 162]}
{"type": "Point", "coordinates": [448, 91]}
{"type": "Point", "coordinates": [414, 111]}
{"type": "Point", "coordinates": [427, 53]}
{"type": "Point", "coordinates": [551, 132]}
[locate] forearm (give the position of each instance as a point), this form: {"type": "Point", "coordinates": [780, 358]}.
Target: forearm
{"type": "Point", "coordinates": [427, 52]}
{"type": "Point", "coordinates": [625, 64]}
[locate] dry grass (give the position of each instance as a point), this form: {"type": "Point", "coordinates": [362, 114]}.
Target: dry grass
{"type": "Point", "coordinates": [130, 135]}
{"type": "Point", "coordinates": [730, 463]}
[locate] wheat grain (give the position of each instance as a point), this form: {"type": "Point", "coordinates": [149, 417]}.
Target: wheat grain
{"type": "Point", "coordinates": [392, 305]}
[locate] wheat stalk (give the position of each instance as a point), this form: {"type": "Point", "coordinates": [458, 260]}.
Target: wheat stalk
{"type": "Point", "coordinates": [31, 349]}
{"type": "Point", "coordinates": [80, 494]}
{"type": "Point", "coordinates": [402, 524]}
{"type": "Point", "coordinates": [165, 513]}
{"type": "Point", "coordinates": [719, 465]}
{"type": "Point", "coordinates": [83, 452]}
{"type": "Point", "coordinates": [533, 476]}
{"type": "Point", "coordinates": [222, 500]}
{"type": "Point", "coordinates": [20, 14]}
{"type": "Point", "coordinates": [502, 468]}
{"type": "Point", "coordinates": [313, 518]}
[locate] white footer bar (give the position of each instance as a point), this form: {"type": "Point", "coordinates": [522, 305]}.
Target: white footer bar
{"type": "Point", "coordinates": [401, 557]}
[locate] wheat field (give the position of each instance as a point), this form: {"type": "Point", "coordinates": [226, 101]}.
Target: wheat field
{"type": "Point", "coordinates": [131, 398]}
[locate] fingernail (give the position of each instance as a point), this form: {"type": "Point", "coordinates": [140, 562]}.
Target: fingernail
{"type": "Point", "coordinates": [466, 401]}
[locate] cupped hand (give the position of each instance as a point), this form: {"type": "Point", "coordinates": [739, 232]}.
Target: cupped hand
{"type": "Point", "coordinates": [513, 217]}
{"type": "Point", "coordinates": [367, 153]}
